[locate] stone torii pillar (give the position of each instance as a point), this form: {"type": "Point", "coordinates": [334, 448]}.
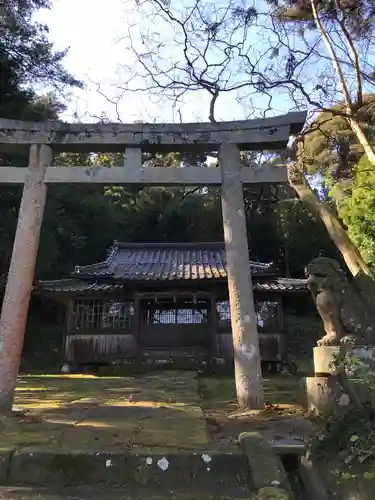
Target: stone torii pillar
{"type": "Point", "coordinates": [247, 364]}
{"type": "Point", "coordinates": [21, 272]}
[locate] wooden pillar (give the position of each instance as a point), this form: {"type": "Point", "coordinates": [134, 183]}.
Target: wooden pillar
{"type": "Point", "coordinates": [69, 324]}
{"type": "Point", "coordinates": [21, 272]}
{"type": "Point", "coordinates": [213, 326]}
{"type": "Point", "coordinates": [137, 324]}
{"type": "Point", "coordinates": [243, 318]}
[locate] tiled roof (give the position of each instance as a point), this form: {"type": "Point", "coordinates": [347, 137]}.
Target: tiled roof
{"type": "Point", "coordinates": [75, 285]}
{"type": "Point", "coordinates": [166, 261]}
{"type": "Point", "coordinates": [282, 285]}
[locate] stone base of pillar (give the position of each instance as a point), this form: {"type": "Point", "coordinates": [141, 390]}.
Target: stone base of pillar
{"type": "Point", "coordinates": [324, 395]}
{"type": "Point", "coordinates": [324, 359]}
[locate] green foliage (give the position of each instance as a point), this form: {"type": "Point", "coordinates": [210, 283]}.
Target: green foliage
{"type": "Point", "coordinates": [332, 153]}
{"type": "Point", "coordinates": [27, 57]}
{"type": "Point", "coordinates": [303, 327]}
{"type": "Point", "coordinates": [331, 148]}
{"type": "Point", "coordinates": [304, 236]}
{"type": "Point", "coordinates": [80, 223]}
{"type": "Point", "coordinates": [357, 210]}
{"type": "Point", "coordinates": [349, 435]}
{"type": "Point", "coordinates": [178, 214]}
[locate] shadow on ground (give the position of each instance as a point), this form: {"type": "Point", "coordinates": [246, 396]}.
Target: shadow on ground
{"type": "Point", "coordinates": [282, 417]}
{"type": "Point", "coordinates": [160, 409]}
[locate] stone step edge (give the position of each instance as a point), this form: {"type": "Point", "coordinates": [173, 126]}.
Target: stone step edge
{"type": "Point", "coordinates": [93, 492]}
{"type": "Point", "coordinates": [131, 450]}
{"type": "Point", "coordinates": [33, 464]}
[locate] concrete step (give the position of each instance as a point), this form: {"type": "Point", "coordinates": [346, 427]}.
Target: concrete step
{"type": "Point", "coordinates": [176, 356]}
{"type": "Point", "coordinates": [152, 359]}
{"type": "Point", "coordinates": [183, 352]}
{"type": "Point", "coordinates": [141, 493]}
{"type": "Point", "coordinates": [155, 468]}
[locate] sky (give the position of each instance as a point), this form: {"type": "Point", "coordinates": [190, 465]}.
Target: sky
{"type": "Point", "coordinates": [92, 29]}
{"type": "Point", "coordinates": [97, 34]}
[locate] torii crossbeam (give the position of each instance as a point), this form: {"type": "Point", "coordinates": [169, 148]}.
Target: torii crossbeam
{"type": "Point", "coordinates": [42, 140]}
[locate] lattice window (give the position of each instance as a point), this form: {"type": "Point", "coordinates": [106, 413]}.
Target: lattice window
{"type": "Point", "coordinates": [268, 318]}
{"type": "Point", "coordinates": [267, 314]}
{"type": "Point", "coordinates": [96, 314]}
{"type": "Point", "coordinates": [223, 310]}
{"type": "Point", "coordinates": [180, 313]}
{"type": "Point", "coordinates": [162, 316]}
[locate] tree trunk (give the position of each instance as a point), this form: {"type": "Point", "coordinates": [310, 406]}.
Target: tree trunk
{"type": "Point", "coordinates": [362, 139]}
{"type": "Point", "coordinates": [353, 259]}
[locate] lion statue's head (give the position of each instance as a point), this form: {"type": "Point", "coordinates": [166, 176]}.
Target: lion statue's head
{"type": "Point", "coordinates": [328, 271]}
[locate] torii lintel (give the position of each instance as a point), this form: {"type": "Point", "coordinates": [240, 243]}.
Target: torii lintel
{"type": "Point", "coordinates": [257, 134]}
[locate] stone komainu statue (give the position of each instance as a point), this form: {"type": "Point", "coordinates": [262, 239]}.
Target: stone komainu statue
{"type": "Point", "coordinates": [345, 314]}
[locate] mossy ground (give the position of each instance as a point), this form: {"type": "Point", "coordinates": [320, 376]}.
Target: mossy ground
{"type": "Point", "coordinates": [283, 415]}
{"type": "Point", "coordinates": [160, 409]}
{"type": "Point", "coordinates": [86, 411]}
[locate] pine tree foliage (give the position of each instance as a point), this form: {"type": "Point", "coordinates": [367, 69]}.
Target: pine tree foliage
{"type": "Point", "coordinates": [357, 15]}
{"type": "Point", "coordinates": [25, 50]}
{"type": "Point", "coordinates": [331, 149]}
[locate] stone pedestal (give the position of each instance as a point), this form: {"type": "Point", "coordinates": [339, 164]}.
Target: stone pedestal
{"type": "Point", "coordinates": [324, 394]}
{"type": "Point", "coordinates": [324, 358]}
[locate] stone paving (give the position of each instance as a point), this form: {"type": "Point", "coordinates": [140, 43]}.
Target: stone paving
{"type": "Point", "coordinates": [173, 409]}
{"type": "Point", "coordinates": [157, 409]}
{"type": "Point", "coordinates": [170, 432]}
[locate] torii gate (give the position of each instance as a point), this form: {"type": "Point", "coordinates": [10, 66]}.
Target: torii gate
{"type": "Point", "coordinates": [41, 140]}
